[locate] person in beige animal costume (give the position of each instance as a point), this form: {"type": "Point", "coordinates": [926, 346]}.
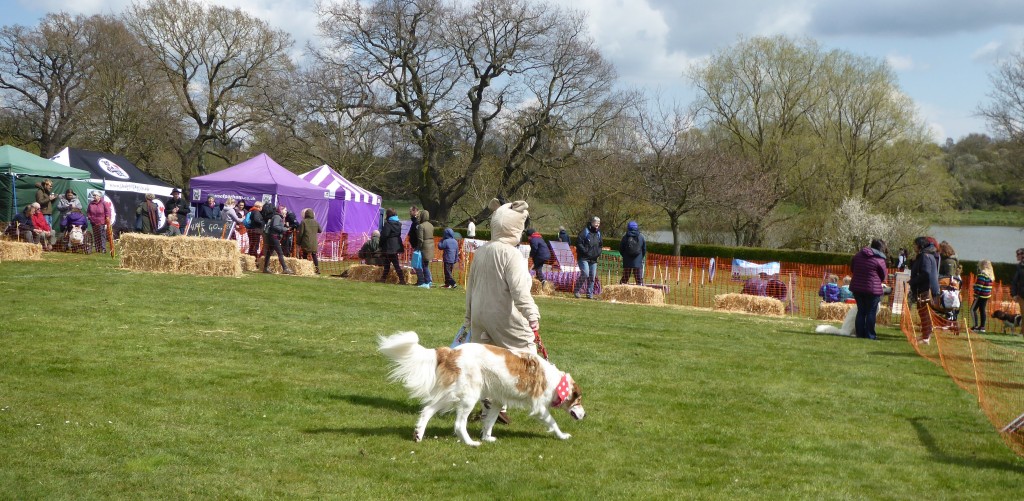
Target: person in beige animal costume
{"type": "Point", "coordinates": [499, 306]}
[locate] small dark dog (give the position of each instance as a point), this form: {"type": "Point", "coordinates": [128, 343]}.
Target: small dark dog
{"type": "Point", "coordinates": [1010, 321]}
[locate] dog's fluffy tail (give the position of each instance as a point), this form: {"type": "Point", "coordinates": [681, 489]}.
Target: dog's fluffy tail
{"type": "Point", "coordinates": [414, 366]}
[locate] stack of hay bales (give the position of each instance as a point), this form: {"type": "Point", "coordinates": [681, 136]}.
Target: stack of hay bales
{"type": "Point", "coordinates": [248, 263]}
{"type": "Point", "coordinates": [19, 251]}
{"type": "Point", "coordinates": [301, 267]}
{"type": "Point", "coordinates": [186, 255]}
{"type": "Point", "coordinates": [637, 294]}
{"type": "Point", "coordinates": [371, 273]}
{"type": "Point", "coordinates": [760, 305]}
{"type": "Point", "coordinates": [835, 312]}
{"type": "Point", "coordinates": [884, 315]}
{"type": "Point", "coordinates": [537, 290]}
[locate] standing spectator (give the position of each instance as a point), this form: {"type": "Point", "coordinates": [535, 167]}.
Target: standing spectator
{"type": "Point", "coordinates": [829, 292]}
{"type": "Point", "coordinates": [370, 252]}
{"type": "Point", "coordinates": [23, 224]}
{"type": "Point", "coordinates": [1017, 282]}
{"type": "Point", "coordinates": [149, 214]}
{"type": "Point", "coordinates": [869, 273]}
{"type": "Point", "coordinates": [845, 294]}
{"type": "Point", "coordinates": [471, 228]}
{"type": "Point", "coordinates": [425, 237]}
{"type": "Point", "coordinates": [308, 240]}
{"type": "Point", "coordinates": [563, 236]}
{"type": "Point", "coordinates": [414, 236]}
{"type": "Point", "coordinates": [500, 310]}
{"type": "Point", "coordinates": [45, 198]}
{"type": "Point", "coordinates": [982, 291]}
{"type": "Point", "coordinates": [41, 227]}
{"type": "Point", "coordinates": [633, 248]}
{"type": "Point", "coordinates": [177, 206]}
{"type": "Point", "coordinates": [230, 216]}
{"type": "Point", "coordinates": [950, 264]}
{"type": "Point", "coordinates": [901, 260]}
{"type": "Point", "coordinates": [588, 249]}
{"type": "Point", "coordinates": [241, 230]}
{"type": "Point", "coordinates": [539, 253]}
{"type": "Point", "coordinates": [291, 227]}
{"type": "Point", "coordinates": [64, 206]}
{"type": "Point", "coordinates": [391, 244]}
{"type": "Point", "coordinates": [450, 255]}
{"type": "Point", "coordinates": [255, 228]}
{"type": "Point", "coordinates": [208, 210]}
{"type": "Point", "coordinates": [98, 214]}
{"type": "Point", "coordinates": [924, 282]}
{"type": "Point", "coordinates": [272, 238]}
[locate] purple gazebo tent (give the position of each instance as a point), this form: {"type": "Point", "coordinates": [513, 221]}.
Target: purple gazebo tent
{"type": "Point", "coordinates": [354, 212]}
{"type": "Point", "coordinates": [261, 179]}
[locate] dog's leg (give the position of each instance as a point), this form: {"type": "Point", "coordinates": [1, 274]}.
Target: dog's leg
{"type": "Point", "coordinates": [488, 423]}
{"type": "Point", "coordinates": [461, 418]}
{"type": "Point", "coordinates": [421, 425]}
{"type": "Point", "coordinates": [545, 416]}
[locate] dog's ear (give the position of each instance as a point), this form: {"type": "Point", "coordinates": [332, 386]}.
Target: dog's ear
{"type": "Point", "coordinates": [494, 204]}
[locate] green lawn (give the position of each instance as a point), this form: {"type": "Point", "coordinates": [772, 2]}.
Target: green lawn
{"type": "Point", "coordinates": [131, 385]}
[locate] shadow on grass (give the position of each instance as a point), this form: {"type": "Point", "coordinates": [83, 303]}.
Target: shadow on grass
{"type": "Point", "coordinates": [941, 456]}
{"type": "Point", "coordinates": [402, 406]}
{"type": "Point", "coordinates": [438, 431]}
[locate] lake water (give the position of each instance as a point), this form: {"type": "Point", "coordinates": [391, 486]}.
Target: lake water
{"type": "Point", "coordinates": [972, 243]}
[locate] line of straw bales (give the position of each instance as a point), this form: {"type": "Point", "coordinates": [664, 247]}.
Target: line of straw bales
{"type": "Point", "coordinates": [836, 312]}
{"type": "Point", "coordinates": [635, 294]}
{"type": "Point", "coordinates": [19, 251]}
{"type": "Point", "coordinates": [185, 255]}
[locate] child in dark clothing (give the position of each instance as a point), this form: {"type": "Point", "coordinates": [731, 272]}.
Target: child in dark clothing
{"type": "Point", "coordinates": [450, 248]}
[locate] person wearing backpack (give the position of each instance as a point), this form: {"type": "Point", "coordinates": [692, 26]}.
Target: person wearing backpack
{"type": "Point", "coordinates": [449, 247]}
{"type": "Point", "coordinates": [272, 233]}
{"type": "Point", "coordinates": [539, 252]}
{"type": "Point", "coordinates": [588, 249]}
{"type": "Point", "coordinates": [633, 248]}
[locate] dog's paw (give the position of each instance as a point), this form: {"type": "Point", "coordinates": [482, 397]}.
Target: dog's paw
{"type": "Point", "coordinates": [416, 436]}
{"type": "Point", "coordinates": [488, 439]}
{"type": "Point", "coordinates": [563, 436]}
{"type": "Point", "coordinates": [473, 443]}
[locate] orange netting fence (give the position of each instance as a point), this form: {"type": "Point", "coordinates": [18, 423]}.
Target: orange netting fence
{"type": "Point", "coordinates": [987, 365]}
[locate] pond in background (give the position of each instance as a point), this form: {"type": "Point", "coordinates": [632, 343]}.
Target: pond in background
{"type": "Point", "coordinates": [972, 243]}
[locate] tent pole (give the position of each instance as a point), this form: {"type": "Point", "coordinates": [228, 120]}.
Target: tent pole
{"type": "Point", "coordinates": [14, 196]}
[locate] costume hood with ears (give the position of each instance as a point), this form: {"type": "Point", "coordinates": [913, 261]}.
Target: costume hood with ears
{"type": "Point", "coordinates": [508, 221]}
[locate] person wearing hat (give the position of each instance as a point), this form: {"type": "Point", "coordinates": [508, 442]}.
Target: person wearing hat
{"type": "Point", "coordinates": [588, 249]}
{"type": "Point", "coordinates": [177, 206]}
{"type": "Point", "coordinates": [633, 248]}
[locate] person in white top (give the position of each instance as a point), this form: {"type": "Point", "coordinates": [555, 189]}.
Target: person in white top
{"type": "Point", "coordinates": [471, 229]}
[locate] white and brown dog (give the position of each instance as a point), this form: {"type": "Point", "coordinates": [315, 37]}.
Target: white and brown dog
{"type": "Point", "coordinates": [445, 379]}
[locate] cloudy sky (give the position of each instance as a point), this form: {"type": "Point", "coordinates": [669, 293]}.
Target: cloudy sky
{"type": "Point", "coordinates": [942, 50]}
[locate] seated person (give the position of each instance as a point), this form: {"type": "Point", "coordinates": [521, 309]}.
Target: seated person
{"type": "Point", "coordinates": [74, 218]}
{"type": "Point", "coordinates": [845, 295]}
{"type": "Point", "coordinates": [776, 288]}
{"type": "Point", "coordinates": [42, 230]}
{"type": "Point", "coordinates": [370, 251]}
{"type": "Point", "coordinates": [22, 226]}
{"type": "Point", "coordinates": [755, 286]}
{"type": "Point", "coordinates": [830, 291]}
{"type": "Point", "coordinates": [172, 228]}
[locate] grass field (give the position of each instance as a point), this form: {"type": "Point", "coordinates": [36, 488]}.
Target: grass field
{"type": "Point", "coordinates": [132, 385]}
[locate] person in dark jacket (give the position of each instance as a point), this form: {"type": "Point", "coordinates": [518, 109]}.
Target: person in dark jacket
{"type": "Point", "coordinates": [924, 283]}
{"type": "Point", "coordinates": [563, 236]}
{"type": "Point", "coordinates": [391, 245]}
{"type": "Point", "coordinates": [45, 197]}
{"type": "Point", "coordinates": [308, 240]}
{"type": "Point", "coordinates": [177, 206]}
{"type": "Point", "coordinates": [1017, 282]}
{"type": "Point", "coordinates": [149, 214]}
{"type": "Point", "coordinates": [272, 238]}
{"type": "Point", "coordinates": [255, 228]}
{"type": "Point", "coordinates": [450, 255]}
{"type": "Point", "coordinates": [370, 252]}
{"type": "Point", "coordinates": [539, 253]}
{"type": "Point", "coordinates": [23, 226]}
{"type": "Point", "coordinates": [414, 221]}
{"type": "Point", "coordinates": [209, 210]}
{"type": "Point", "coordinates": [588, 249]}
{"type": "Point", "coordinates": [632, 260]}
{"type": "Point", "coordinates": [869, 274]}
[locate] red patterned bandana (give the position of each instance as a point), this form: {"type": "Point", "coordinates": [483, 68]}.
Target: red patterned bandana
{"type": "Point", "coordinates": [562, 391]}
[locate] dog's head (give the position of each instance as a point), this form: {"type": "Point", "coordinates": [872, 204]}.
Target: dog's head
{"type": "Point", "coordinates": [573, 402]}
{"type": "Point", "coordinates": [1001, 315]}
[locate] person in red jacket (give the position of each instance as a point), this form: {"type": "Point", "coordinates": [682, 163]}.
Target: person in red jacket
{"type": "Point", "coordinates": [41, 228]}
{"type": "Point", "coordinates": [869, 274]}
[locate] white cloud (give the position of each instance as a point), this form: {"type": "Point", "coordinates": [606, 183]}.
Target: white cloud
{"type": "Point", "coordinates": [987, 52]}
{"type": "Point", "coordinates": [901, 62]}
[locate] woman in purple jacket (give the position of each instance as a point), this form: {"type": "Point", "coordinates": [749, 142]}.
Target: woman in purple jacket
{"type": "Point", "coordinates": [869, 273]}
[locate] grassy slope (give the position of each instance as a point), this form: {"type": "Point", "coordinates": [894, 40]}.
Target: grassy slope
{"type": "Point", "coordinates": [164, 386]}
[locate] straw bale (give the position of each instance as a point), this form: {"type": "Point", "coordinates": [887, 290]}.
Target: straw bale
{"type": "Point", "coordinates": [19, 251]}
{"type": "Point", "coordinates": [547, 290]}
{"type": "Point", "coordinates": [185, 255]}
{"type": "Point", "coordinates": [301, 267]}
{"type": "Point", "coordinates": [639, 294]}
{"type": "Point", "coordinates": [372, 273]}
{"type": "Point", "coordinates": [835, 312]}
{"type": "Point", "coordinates": [248, 263]}
{"type": "Point", "coordinates": [760, 305]}
{"type": "Point", "coordinates": [884, 315]}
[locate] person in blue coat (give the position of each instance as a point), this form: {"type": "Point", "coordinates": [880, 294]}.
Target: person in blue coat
{"type": "Point", "coordinates": [539, 252]}
{"type": "Point", "coordinates": [588, 250]}
{"type": "Point", "coordinates": [450, 255]}
{"type": "Point", "coordinates": [633, 248]}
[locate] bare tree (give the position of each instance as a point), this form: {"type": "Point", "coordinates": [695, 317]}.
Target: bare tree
{"type": "Point", "coordinates": [220, 63]}
{"type": "Point", "coordinates": [43, 71]}
{"type": "Point", "coordinates": [1005, 112]}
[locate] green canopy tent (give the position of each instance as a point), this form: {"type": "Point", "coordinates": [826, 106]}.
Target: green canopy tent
{"type": "Point", "coordinates": [21, 170]}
